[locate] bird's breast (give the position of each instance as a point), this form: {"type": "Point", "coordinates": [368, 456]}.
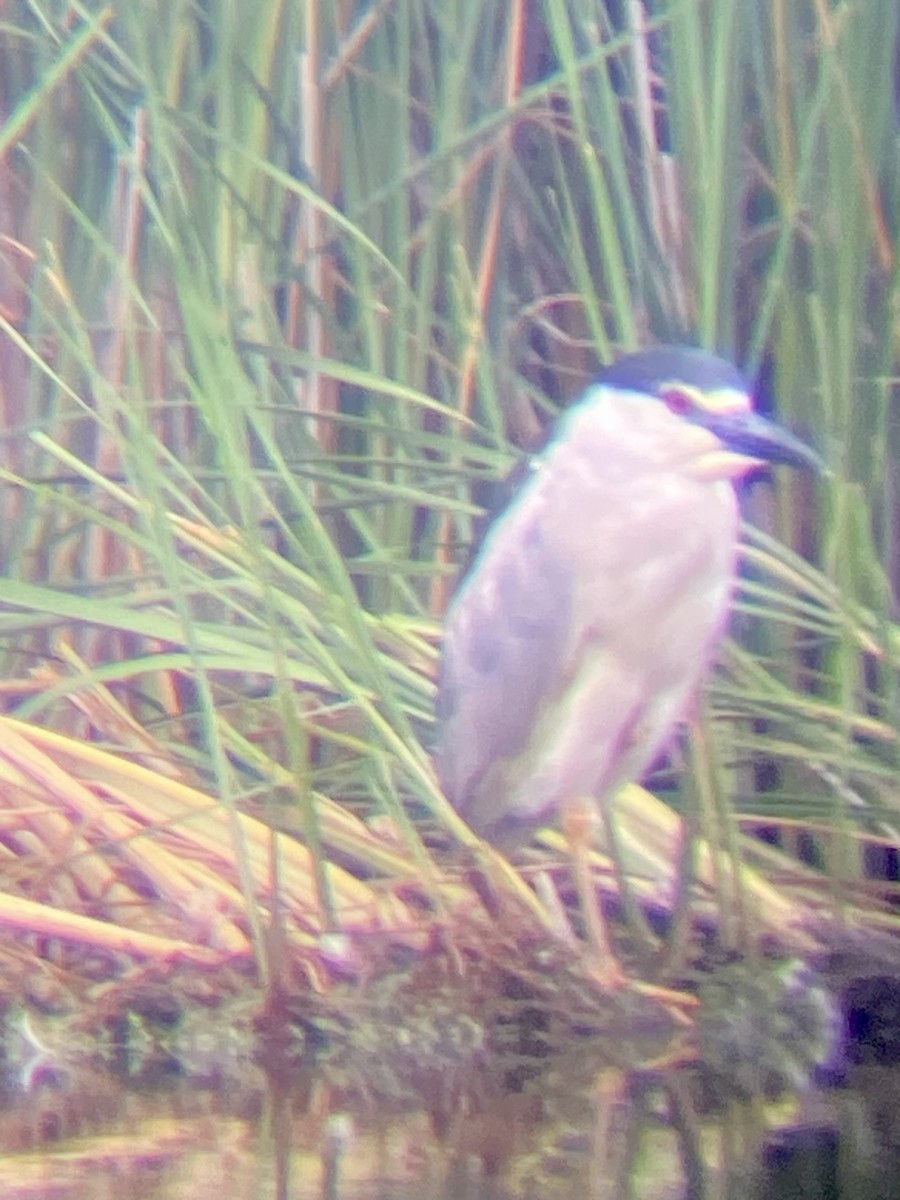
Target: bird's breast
{"type": "Point", "coordinates": [652, 558]}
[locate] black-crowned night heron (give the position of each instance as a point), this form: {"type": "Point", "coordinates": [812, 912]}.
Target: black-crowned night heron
{"type": "Point", "coordinates": [579, 637]}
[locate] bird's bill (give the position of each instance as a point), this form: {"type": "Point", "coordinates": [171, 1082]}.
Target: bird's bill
{"type": "Point", "coordinates": [748, 439]}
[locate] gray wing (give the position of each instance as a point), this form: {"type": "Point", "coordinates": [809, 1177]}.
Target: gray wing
{"type": "Point", "coordinates": [505, 639]}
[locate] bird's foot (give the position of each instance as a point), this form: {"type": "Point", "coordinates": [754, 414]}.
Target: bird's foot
{"type": "Point", "coordinates": [611, 979]}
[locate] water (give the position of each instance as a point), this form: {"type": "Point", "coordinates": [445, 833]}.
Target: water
{"type": "Point", "coordinates": [577, 1128]}
{"type": "Point", "coordinates": [772, 1088]}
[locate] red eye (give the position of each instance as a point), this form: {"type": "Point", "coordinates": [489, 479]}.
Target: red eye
{"type": "Point", "coordinates": [678, 401]}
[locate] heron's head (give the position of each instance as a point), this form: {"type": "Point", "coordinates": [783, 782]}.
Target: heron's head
{"type": "Point", "coordinates": [697, 388]}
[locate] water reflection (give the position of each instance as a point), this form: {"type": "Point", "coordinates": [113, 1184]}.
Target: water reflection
{"type": "Point", "coordinates": [579, 1128]}
{"type": "Point", "coordinates": [530, 1111]}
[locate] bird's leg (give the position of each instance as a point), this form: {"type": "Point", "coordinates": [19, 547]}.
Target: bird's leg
{"type": "Point", "coordinates": [579, 823]}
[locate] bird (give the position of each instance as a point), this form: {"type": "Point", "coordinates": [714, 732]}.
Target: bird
{"type": "Point", "coordinates": [577, 641]}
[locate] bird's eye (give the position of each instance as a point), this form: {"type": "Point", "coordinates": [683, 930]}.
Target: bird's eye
{"type": "Point", "coordinates": [678, 401]}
